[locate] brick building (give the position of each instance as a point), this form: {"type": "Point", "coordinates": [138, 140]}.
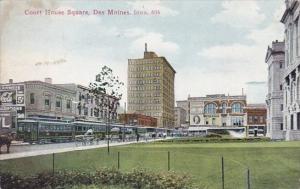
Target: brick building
{"type": "Point", "coordinates": [256, 118]}
{"type": "Point", "coordinates": [138, 119]}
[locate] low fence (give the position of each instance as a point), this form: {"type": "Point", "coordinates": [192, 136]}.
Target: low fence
{"type": "Point", "coordinates": [209, 168]}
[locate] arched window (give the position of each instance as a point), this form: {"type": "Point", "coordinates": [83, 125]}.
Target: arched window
{"type": "Point", "coordinates": [224, 108]}
{"type": "Point", "coordinates": [237, 107]}
{"type": "Point", "coordinates": [292, 92]}
{"type": "Point", "coordinates": [210, 108]}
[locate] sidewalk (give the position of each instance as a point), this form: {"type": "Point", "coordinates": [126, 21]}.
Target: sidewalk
{"type": "Point", "coordinates": [4, 156]}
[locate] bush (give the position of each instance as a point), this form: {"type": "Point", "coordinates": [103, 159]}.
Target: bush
{"type": "Point", "coordinates": [137, 179]}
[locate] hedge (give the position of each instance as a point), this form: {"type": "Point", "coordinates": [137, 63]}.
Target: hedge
{"type": "Point", "coordinates": [214, 140]}
{"type": "Point", "coordinates": [137, 179]}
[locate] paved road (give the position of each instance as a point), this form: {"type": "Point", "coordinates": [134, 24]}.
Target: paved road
{"type": "Point", "coordinates": [27, 150]}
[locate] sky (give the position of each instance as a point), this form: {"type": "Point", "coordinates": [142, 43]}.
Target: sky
{"type": "Point", "coordinates": [215, 46]}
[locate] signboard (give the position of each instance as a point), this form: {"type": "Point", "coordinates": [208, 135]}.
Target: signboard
{"type": "Point", "coordinates": [12, 98]}
{"type": "Point", "coordinates": [7, 120]}
{"type": "Point", "coordinates": [197, 119]}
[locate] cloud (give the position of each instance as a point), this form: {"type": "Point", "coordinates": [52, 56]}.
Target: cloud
{"type": "Point", "coordinates": [153, 5]}
{"type": "Point", "coordinates": [156, 41]}
{"type": "Point", "coordinates": [243, 60]}
{"type": "Point", "coordinates": [239, 14]}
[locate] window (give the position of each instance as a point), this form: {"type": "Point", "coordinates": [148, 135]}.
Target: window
{"type": "Point", "coordinates": [68, 104]}
{"type": "Point", "coordinates": [281, 107]}
{"type": "Point", "coordinates": [86, 110]}
{"type": "Point", "coordinates": [297, 37]}
{"type": "Point", "coordinates": [31, 98]}
{"type": "Point", "coordinates": [47, 102]}
{"type": "Point", "coordinates": [210, 108]}
{"type": "Point", "coordinates": [281, 126]}
{"type": "Point", "coordinates": [237, 120]}
{"type": "Point", "coordinates": [291, 29]}
{"type": "Point", "coordinates": [250, 119]}
{"type": "Point", "coordinates": [280, 87]}
{"type": "Point", "coordinates": [261, 119]}
{"type": "Point", "coordinates": [224, 108]}
{"type": "Point", "coordinates": [280, 65]}
{"type": "Point", "coordinates": [58, 103]}
{"type": "Point", "coordinates": [291, 92]}
{"type": "Point", "coordinates": [292, 122]}
{"type": "Point", "coordinates": [237, 107]}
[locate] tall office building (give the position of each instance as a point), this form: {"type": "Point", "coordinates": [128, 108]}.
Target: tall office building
{"type": "Point", "coordinates": [151, 88]}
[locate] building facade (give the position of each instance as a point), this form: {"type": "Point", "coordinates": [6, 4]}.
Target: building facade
{"type": "Point", "coordinates": [256, 119]}
{"type": "Point", "coordinates": [274, 100]}
{"type": "Point", "coordinates": [93, 107]}
{"type": "Point", "coordinates": [180, 117]}
{"type": "Point", "coordinates": [216, 110]}
{"type": "Point", "coordinates": [37, 99]}
{"type": "Point", "coordinates": [291, 83]}
{"type": "Point", "coordinates": [138, 119]}
{"type": "Point", "coordinates": [151, 88]}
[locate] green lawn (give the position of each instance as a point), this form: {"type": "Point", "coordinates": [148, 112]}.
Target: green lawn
{"type": "Point", "coordinates": [272, 164]}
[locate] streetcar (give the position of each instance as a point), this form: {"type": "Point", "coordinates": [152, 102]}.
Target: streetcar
{"type": "Point", "coordinates": [55, 131]}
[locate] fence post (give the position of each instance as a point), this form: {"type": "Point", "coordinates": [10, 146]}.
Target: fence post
{"type": "Point", "coordinates": [53, 157]}
{"type": "Point", "coordinates": [248, 179]}
{"type": "Point", "coordinates": [223, 179]}
{"type": "Point", "coordinates": [168, 160]}
{"type": "Point", "coordinates": [118, 160]}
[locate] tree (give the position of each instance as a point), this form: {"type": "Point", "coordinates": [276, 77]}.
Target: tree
{"type": "Point", "coordinates": [107, 90]}
{"type": "Point", "coordinates": [106, 83]}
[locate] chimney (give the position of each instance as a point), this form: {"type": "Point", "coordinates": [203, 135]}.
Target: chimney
{"type": "Point", "coordinates": [146, 47]}
{"type": "Point", "coordinates": [48, 80]}
{"type": "Point", "coordinates": [242, 91]}
{"type": "Point", "coordinates": [10, 80]}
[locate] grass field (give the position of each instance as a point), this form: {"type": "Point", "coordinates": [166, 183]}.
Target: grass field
{"type": "Point", "coordinates": [272, 165]}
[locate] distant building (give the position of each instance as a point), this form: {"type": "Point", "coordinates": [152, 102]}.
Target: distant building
{"type": "Point", "coordinates": [91, 107]}
{"type": "Point", "coordinates": [137, 119]}
{"type": "Point", "coordinates": [180, 117]}
{"type": "Point", "coordinates": [276, 66]}
{"type": "Point", "coordinates": [291, 84]}
{"type": "Point", "coordinates": [256, 118]}
{"type": "Point", "coordinates": [217, 110]}
{"type": "Point", "coordinates": [151, 88]}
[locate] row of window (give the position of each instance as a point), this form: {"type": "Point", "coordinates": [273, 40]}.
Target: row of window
{"type": "Point", "coordinates": [144, 94]}
{"type": "Point", "coordinates": [143, 75]}
{"type": "Point", "coordinates": [211, 108]}
{"type": "Point", "coordinates": [236, 121]}
{"type": "Point", "coordinates": [256, 119]}
{"type": "Point", "coordinates": [94, 112]}
{"type": "Point", "coordinates": [47, 101]}
{"type": "Point", "coordinates": [144, 61]}
{"type": "Point", "coordinates": [144, 101]}
{"type": "Point", "coordinates": [141, 82]}
{"type": "Point", "coordinates": [144, 68]}
{"type": "Point", "coordinates": [143, 88]}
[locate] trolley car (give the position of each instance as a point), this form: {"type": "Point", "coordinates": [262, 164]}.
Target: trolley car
{"type": "Point", "coordinates": [51, 131]}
